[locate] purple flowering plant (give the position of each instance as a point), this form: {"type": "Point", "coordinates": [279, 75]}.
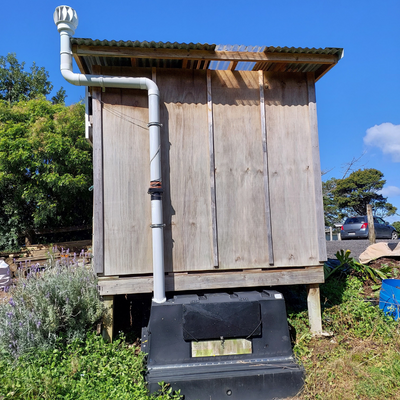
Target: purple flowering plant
{"type": "Point", "coordinates": [58, 301]}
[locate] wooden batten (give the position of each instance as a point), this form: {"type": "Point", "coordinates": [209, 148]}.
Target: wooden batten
{"type": "Point", "coordinates": [209, 55]}
{"type": "Point", "coordinates": [319, 207]}
{"type": "Point", "coordinates": [98, 188]}
{"type": "Point", "coordinates": [212, 169]}
{"type": "Point", "coordinates": [215, 280]}
{"type": "Point", "coordinates": [268, 224]}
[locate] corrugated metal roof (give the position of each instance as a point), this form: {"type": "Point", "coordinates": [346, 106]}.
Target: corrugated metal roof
{"type": "Point", "coordinates": [205, 46]}
{"type": "Point", "coordinates": [306, 50]}
{"type": "Point", "coordinates": [143, 45]}
{"type": "Point", "coordinates": [91, 52]}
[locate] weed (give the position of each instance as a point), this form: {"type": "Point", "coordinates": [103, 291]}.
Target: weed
{"type": "Point", "coordinates": [89, 369]}
{"type": "Point", "coordinates": [360, 360]}
{"type": "Point", "coordinates": [348, 263]}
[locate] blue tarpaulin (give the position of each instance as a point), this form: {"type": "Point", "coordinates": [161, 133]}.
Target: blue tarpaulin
{"type": "Point", "coordinates": [389, 298]}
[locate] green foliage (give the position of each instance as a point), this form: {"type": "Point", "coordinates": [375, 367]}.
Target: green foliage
{"type": "Point", "coordinates": [359, 359]}
{"type": "Point", "coordinates": [333, 214]}
{"type": "Point", "coordinates": [45, 168]}
{"type": "Point", "coordinates": [60, 96]}
{"type": "Point", "coordinates": [89, 370]}
{"type": "Point", "coordinates": [17, 84]}
{"type": "Point", "coordinates": [356, 316]}
{"type": "Point", "coordinates": [396, 225]}
{"type": "Point", "coordinates": [361, 188]}
{"type": "Point", "coordinates": [351, 264]}
{"type": "Point", "coordinates": [57, 304]}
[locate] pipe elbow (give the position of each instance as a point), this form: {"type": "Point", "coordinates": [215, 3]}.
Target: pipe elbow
{"type": "Point", "coordinates": [70, 77]}
{"type": "Point", "coordinates": [151, 86]}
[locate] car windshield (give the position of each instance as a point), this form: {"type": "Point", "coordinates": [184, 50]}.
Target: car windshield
{"type": "Point", "coordinates": [354, 220]}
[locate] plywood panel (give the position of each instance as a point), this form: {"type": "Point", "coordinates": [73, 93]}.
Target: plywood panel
{"type": "Point", "coordinates": [291, 170]}
{"type": "Point", "coordinates": [127, 211]}
{"type": "Point", "coordinates": [242, 237]}
{"type": "Point", "coordinates": [186, 170]}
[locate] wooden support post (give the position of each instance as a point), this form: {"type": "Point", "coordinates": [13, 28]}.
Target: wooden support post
{"type": "Point", "coordinates": [371, 226]}
{"type": "Point", "coordinates": [108, 320]}
{"type": "Point", "coordinates": [314, 308]}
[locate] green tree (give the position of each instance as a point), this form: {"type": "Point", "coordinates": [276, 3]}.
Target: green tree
{"type": "Point", "coordinates": [59, 97]}
{"type": "Point", "coordinates": [45, 167]}
{"type": "Point", "coordinates": [396, 226]}
{"type": "Point", "coordinates": [360, 188]}
{"type": "Point", "coordinates": [333, 214]}
{"type": "Point", "coordinates": [17, 84]}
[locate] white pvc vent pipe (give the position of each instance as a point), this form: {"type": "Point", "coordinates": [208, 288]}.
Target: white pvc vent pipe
{"type": "Point", "coordinates": [66, 20]}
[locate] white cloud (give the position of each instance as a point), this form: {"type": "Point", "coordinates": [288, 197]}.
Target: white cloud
{"type": "Point", "coordinates": [385, 136]}
{"type": "Point", "coordinates": [390, 191]}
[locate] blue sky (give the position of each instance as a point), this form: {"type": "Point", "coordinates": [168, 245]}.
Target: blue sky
{"type": "Point", "coordinates": [358, 101]}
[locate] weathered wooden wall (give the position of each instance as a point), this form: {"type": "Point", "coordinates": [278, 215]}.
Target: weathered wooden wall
{"type": "Point", "coordinates": [240, 172]}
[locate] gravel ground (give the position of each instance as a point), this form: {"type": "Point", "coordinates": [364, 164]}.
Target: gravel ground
{"type": "Point", "coordinates": [356, 246]}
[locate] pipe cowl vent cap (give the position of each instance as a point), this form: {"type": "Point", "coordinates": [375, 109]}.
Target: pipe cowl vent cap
{"type": "Point", "coordinates": [65, 18]}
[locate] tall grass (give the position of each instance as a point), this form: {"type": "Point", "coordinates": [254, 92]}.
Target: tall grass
{"type": "Point", "coordinates": [360, 359]}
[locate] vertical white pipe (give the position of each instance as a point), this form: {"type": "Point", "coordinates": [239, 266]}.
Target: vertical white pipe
{"type": "Point", "coordinates": [66, 20]}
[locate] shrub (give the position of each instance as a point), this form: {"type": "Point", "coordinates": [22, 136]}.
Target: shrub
{"type": "Point", "coordinates": [57, 303]}
{"type": "Point", "coordinates": [89, 369]}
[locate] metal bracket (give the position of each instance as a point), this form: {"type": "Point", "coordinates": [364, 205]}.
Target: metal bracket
{"type": "Point", "coordinates": [157, 225]}
{"type": "Point", "coordinates": [154, 124]}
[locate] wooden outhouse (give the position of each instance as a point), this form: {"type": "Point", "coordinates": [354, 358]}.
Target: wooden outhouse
{"type": "Point", "coordinates": [242, 200]}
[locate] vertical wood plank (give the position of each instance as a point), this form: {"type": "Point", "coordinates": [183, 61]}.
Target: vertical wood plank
{"type": "Point", "coordinates": [127, 209]}
{"type": "Point", "coordinates": [291, 170]}
{"type": "Point", "coordinates": [319, 206]}
{"type": "Point", "coordinates": [212, 168]}
{"type": "Point", "coordinates": [98, 211]}
{"type": "Point", "coordinates": [266, 177]}
{"type": "Point", "coordinates": [188, 240]}
{"type": "Point", "coordinates": [240, 200]}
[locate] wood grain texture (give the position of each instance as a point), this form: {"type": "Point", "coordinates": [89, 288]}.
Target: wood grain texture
{"type": "Point", "coordinates": [215, 280]}
{"type": "Point", "coordinates": [127, 210]}
{"type": "Point", "coordinates": [201, 55]}
{"type": "Point", "coordinates": [212, 169]}
{"type": "Point", "coordinates": [242, 237]}
{"type": "Point", "coordinates": [314, 308]}
{"type": "Point", "coordinates": [319, 206]}
{"type": "Point", "coordinates": [98, 214]}
{"type": "Point", "coordinates": [268, 224]}
{"type": "Point", "coordinates": [291, 170]}
{"type": "Point", "coordinates": [188, 236]}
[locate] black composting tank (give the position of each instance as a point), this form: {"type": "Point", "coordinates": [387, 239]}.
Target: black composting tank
{"type": "Point", "coordinates": [222, 346]}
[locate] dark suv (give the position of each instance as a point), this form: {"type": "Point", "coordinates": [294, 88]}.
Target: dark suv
{"type": "Point", "coordinates": [357, 228]}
